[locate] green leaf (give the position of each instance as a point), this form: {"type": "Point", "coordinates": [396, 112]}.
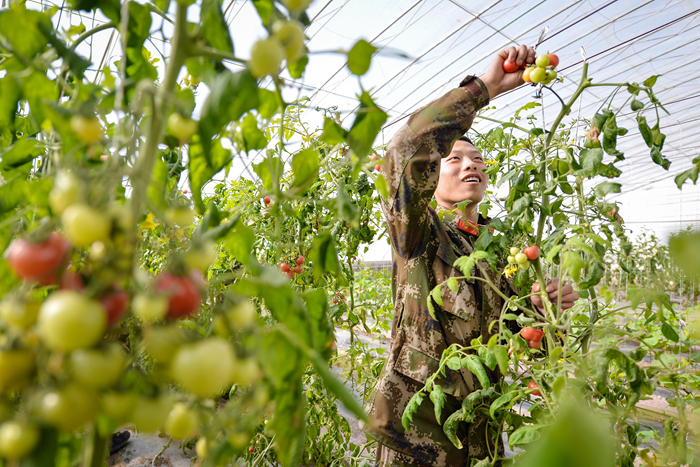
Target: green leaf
{"type": "Point", "coordinates": [524, 435]}
{"type": "Point", "coordinates": [595, 274]}
{"type": "Point", "coordinates": [573, 263]}
{"type": "Point", "coordinates": [521, 204]}
{"type": "Point", "coordinates": [669, 333]}
{"type": "Point", "coordinates": [685, 250]}
{"type": "Point", "coordinates": [411, 408]}
{"type": "Point", "coordinates": [75, 62]}
{"type": "Point", "coordinates": [501, 353]}
{"type": "Point", "coordinates": [452, 284]}
{"type": "Point", "coordinates": [438, 397]}
{"type": "Point", "coordinates": [474, 365]}
{"type": "Point", "coordinates": [437, 295]}
{"type": "Point", "coordinates": [296, 69]}
{"type": "Point", "coordinates": [431, 310]}
{"type": "Point", "coordinates": [20, 154]}
{"type": "Point", "coordinates": [466, 264]}
{"type": "Point", "coordinates": [553, 252]}
{"type": "Point", "coordinates": [20, 27]}
{"type": "Point", "coordinates": [360, 57]}
{"type": "Point", "coordinates": [253, 138]}
{"type": "Point", "coordinates": [650, 81]}
{"type": "Point", "coordinates": [158, 187]}
{"type": "Point", "coordinates": [368, 122]}
{"type": "Point", "coordinates": [239, 244]}
{"type": "Point", "coordinates": [645, 130]}
{"type": "Point", "coordinates": [269, 103]}
{"type": "Point", "coordinates": [202, 169]}
{"type": "Point", "coordinates": [324, 255]}
{"type": "Point", "coordinates": [484, 240]}
{"type": "Point", "coordinates": [264, 9]}
{"type": "Point", "coordinates": [590, 161]}
{"type": "Point", "coordinates": [214, 28]}
{"type": "Point", "coordinates": [450, 427]}
{"type": "Point", "coordinates": [606, 188]}
{"type": "Point", "coordinates": [636, 105]}
{"type": "Point", "coordinates": [501, 401]}
{"type": "Point", "coordinates": [12, 194]}
{"type": "Point", "coordinates": [305, 165]}
{"type": "Point", "coordinates": [332, 132]}
{"type": "Point", "coordinates": [289, 424]}
{"type": "Point", "coordinates": [269, 170]}
{"type": "Point", "coordinates": [9, 99]}
{"type": "Point", "coordinates": [317, 306]}
{"type": "Point", "coordinates": [691, 174]}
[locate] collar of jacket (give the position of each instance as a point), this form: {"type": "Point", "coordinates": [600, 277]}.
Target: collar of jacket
{"type": "Point", "coordinates": [450, 218]}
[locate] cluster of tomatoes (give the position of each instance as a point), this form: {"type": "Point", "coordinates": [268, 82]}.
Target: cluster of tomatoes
{"type": "Point", "coordinates": [285, 43]}
{"type": "Point", "coordinates": [523, 258]}
{"type": "Point", "coordinates": [533, 337]}
{"type": "Point", "coordinates": [377, 167]}
{"type": "Point", "coordinates": [338, 298]}
{"type": "Point", "coordinates": [542, 71]}
{"type": "Point", "coordinates": [298, 269]}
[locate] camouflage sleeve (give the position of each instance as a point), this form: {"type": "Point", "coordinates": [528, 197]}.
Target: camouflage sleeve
{"type": "Point", "coordinates": [412, 164]}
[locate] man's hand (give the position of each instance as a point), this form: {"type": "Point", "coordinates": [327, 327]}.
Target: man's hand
{"type": "Point", "coordinates": [568, 296]}
{"type": "Point", "coordinates": [498, 81]}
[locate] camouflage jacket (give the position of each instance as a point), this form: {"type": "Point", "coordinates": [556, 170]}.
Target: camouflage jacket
{"type": "Point", "coordinates": [424, 248]}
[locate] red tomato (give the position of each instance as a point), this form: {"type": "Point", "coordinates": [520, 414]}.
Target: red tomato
{"type": "Point", "coordinates": [267, 200]}
{"type": "Point", "coordinates": [114, 303]}
{"type": "Point", "coordinates": [553, 60]}
{"type": "Point", "coordinates": [183, 295]}
{"type": "Point", "coordinates": [251, 449]}
{"type": "Point", "coordinates": [532, 252]}
{"type": "Point", "coordinates": [377, 167]}
{"type": "Point", "coordinates": [184, 192]}
{"type": "Point", "coordinates": [289, 274]}
{"type": "Point", "coordinates": [510, 67]}
{"type": "Point", "coordinates": [527, 333]}
{"type": "Point", "coordinates": [538, 335]}
{"type": "Point", "coordinates": [38, 261]}
{"type": "Point", "coordinates": [534, 344]}
{"type": "Point", "coordinates": [300, 260]}
{"type": "Point", "coordinates": [335, 300]}
{"type": "Point", "coordinates": [533, 385]}
{"type": "Point", "coordinates": [71, 280]}
{"type": "Point", "coordinates": [284, 267]}
{"type": "Point", "coordinates": [297, 269]}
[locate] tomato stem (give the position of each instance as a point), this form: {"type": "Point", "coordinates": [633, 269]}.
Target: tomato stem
{"type": "Point", "coordinates": [95, 448]}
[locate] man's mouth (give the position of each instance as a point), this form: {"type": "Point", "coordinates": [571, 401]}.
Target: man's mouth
{"type": "Point", "coordinates": [471, 179]}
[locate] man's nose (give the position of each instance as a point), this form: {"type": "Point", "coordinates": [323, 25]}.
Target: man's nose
{"type": "Point", "coordinates": [469, 164]}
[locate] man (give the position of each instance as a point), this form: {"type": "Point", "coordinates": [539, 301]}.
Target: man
{"type": "Point", "coordinates": [427, 158]}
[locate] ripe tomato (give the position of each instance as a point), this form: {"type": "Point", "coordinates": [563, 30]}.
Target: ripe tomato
{"type": "Point", "coordinates": [71, 280]}
{"type": "Point", "coordinates": [182, 422]}
{"type": "Point", "coordinates": [181, 127]}
{"type": "Point", "coordinates": [37, 261]}
{"type": "Point", "coordinates": [15, 367]}
{"type": "Point", "coordinates": [205, 367]}
{"type": "Point", "coordinates": [19, 313]}
{"type": "Point", "coordinates": [98, 368]}
{"type": "Point", "coordinates": [534, 344]}
{"type": "Point", "coordinates": [291, 35]}
{"type": "Point", "coordinates": [265, 57]}
{"type": "Point", "coordinates": [510, 67]}
{"type": "Point", "coordinates": [373, 157]}
{"type": "Point", "coordinates": [69, 320]}
{"type": "Point", "coordinates": [67, 190]}
{"type": "Point", "coordinates": [267, 200]}
{"type": "Point", "coordinates": [183, 295]}
{"type": "Point", "coordinates": [538, 75]}
{"type": "Point", "coordinates": [533, 385]}
{"type": "Point", "coordinates": [149, 308]}
{"type": "Point", "coordinates": [251, 449]}
{"type": "Point", "coordinates": [289, 274]}
{"type": "Point", "coordinates": [553, 60]}
{"type": "Point", "coordinates": [284, 267]}
{"type": "Point", "coordinates": [300, 260]}
{"type": "Point", "coordinates": [87, 129]}
{"type": "Point", "coordinates": [335, 300]}
{"type": "Point", "coordinates": [542, 60]}
{"type": "Point", "coordinates": [68, 408]}
{"type": "Point", "coordinates": [114, 302]}
{"type": "Point", "coordinates": [527, 333]}
{"type": "Point", "coordinates": [378, 167]}
{"type": "Point", "coordinates": [149, 414]}
{"type": "Point", "coordinates": [526, 75]}
{"type": "Point", "coordinates": [85, 225]}
{"type": "Point", "coordinates": [538, 335]}
{"type": "Point", "coordinates": [17, 439]}
{"type": "Point", "coordinates": [532, 252]}
{"type": "Point", "coordinates": [297, 269]}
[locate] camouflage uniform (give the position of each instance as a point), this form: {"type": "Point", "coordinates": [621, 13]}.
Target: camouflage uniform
{"type": "Point", "coordinates": [425, 247]}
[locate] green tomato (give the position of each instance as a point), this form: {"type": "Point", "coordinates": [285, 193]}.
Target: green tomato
{"type": "Point", "coordinates": [17, 439]}
{"type": "Point", "coordinates": [181, 127]}
{"type": "Point", "coordinates": [550, 76]}
{"type": "Point", "coordinates": [296, 5]}
{"type": "Point", "coordinates": [69, 320]}
{"type": "Point", "coordinates": [18, 313]}
{"type": "Point", "coordinates": [201, 447]}
{"type": "Point", "coordinates": [117, 405]}
{"type": "Point", "coordinates": [511, 259]}
{"type": "Point", "coordinates": [149, 308]}
{"type": "Point", "coordinates": [205, 367]}
{"type": "Point", "coordinates": [266, 57]}
{"type": "Point", "coordinates": [201, 256]}
{"type": "Point", "coordinates": [238, 439]}
{"type": "Point", "coordinates": [16, 366]}
{"type": "Point", "coordinates": [521, 258]}
{"type": "Point", "coordinates": [182, 422]}
{"type": "Point", "coordinates": [245, 372]}
{"type": "Point", "coordinates": [542, 61]}
{"type": "Point", "coordinates": [68, 408]}
{"type": "Point", "coordinates": [241, 315]}
{"type": "Point", "coordinates": [87, 129]}
{"type": "Point", "coordinates": [162, 342]}
{"type": "Point", "coordinates": [514, 250]}
{"type": "Point", "coordinates": [525, 264]}
{"type": "Point", "coordinates": [291, 36]}
{"type": "Point", "coordinates": [67, 190]}
{"type": "Point", "coordinates": [538, 75]}
{"type": "Point", "coordinates": [179, 216]}
{"type": "Point", "coordinates": [150, 413]}
{"type": "Point", "coordinates": [98, 368]}
{"type": "Point", "coordinates": [84, 225]}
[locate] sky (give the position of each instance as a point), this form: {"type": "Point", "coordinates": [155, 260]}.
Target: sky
{"type": "Point", "coordinates": [426, 47]}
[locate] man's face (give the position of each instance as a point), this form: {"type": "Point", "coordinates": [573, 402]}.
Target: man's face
{"type": "Point", "coordinates": [461, 176]}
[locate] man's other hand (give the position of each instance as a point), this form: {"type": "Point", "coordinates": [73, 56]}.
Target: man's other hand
{"type": "Point", "coordinates": [568, 295]}
{"type": "Point", "coordinates": [498, 81]}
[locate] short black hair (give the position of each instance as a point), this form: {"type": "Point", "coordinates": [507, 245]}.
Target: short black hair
{"type": "Point", "coordinates": [466, 139]}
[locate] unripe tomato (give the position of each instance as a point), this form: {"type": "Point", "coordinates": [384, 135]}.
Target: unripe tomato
{"type": "Point", "coordinates": [514, 250]}
{"type": "Point", "coordinates": [521, 258]}
{"type": "Point", "coordinates": [300, 260]}
{"type": "Point", "coordinates": [183, 295]}
{"type": "Point", "coordinates": [538, 75]}
{"type": "Point", "coordinates": [85, 225]}
{"type": "Point", "coordinates": [284, 267]}
{"type": "Point", "coordinates": [118, 405]}
{"type": "Point", "coordinates": [527, 333]}
{"type": "Point", "coordinates": [297, 269]}
{"type": "Point", "coordinates": [18, 313]}
{"type": "Point", "coordinates": [533, 385]}
{"type": "Point", "coordinates": [532, 252]}
{"type": "Point", "coordinates": [242, 314]}
{"type": "Point", "coordinates": [542, 60]}
{"type": "Point", "coordinates": [68, 408]}
{"type": "Point", "coordinates": [149, 308]}
{"type": "Point", "coordinates": [265, 57]}
{"type": "Point", "coordinates": [98, 368]}
{"type": "Point", "coordinates": [553, 60]}
{"type": "Point", "coordinates": [162, 342]}
{"type": "Point", "coordinates": [38, 261]}
{"type": "Point", "coordinates": [526, 75]}
{"type": "Point", "coordinates": [524, 265]}
{"type": "Point", "coordinates": [245, 371]}
{"type": "Point", "coordinates": [87, 129]}
{"type": "Point", "coordinates": [511, 259]}
{"type": "Point", "coordinates": [181, 127]}
{"type": "Point", "coordinates": [291, 35]}
{"type": "Point", "coordinates": [16, 366]}
{"type": "Point", "coordinates": [296, 5]}
{"type": "Point", "coordinates": [17, 439]}
{"type": "Point", "coordinates": [182, 422]}
{"type": "Point", "coordinates": [114, 302]}
{"type": "Point", "coordinates": [150, 414]}
{"type": "Point", "coordinates": [205, 367]}
{"type": "Point", "coordinates": [67, 190]}
{"type": "Point", "coordinates": [69, 320]}
{"type": "Point", "coordinates": [201, 256]}
{"type": "Point", "coordinates": [179, 216]}
{"type": "Point", "coordinates": [267, 200]}
{"type": "Point", "coordinates": [510, 67]}
{"type": "Point", "coordinates": [201, 448]}
{"type": "Point", "coordinates": [238, 439]}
